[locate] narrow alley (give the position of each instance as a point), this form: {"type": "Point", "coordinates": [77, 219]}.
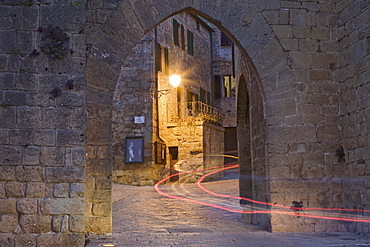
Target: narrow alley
{"type": "Point", "coordinates": [143, 217]}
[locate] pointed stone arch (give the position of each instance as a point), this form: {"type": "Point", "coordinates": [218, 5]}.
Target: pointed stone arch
{"type": "Point", "coordinates": [126, 23]}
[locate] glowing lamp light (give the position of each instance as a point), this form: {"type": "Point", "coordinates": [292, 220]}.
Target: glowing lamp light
{"type": "Point", "coordinates": [175, 80]}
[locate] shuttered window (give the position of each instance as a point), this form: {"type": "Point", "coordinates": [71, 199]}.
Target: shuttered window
{"type": "Point", "coordinates": [176, 40]}
{"type": "Point", "coordinates": [182, 37]}
{"type": "Point", "coordinates": [190, 42]}
{"type": "Point", "coordinates": [166, 61]}
{"type": "Point", "coordinates": [217, 86]}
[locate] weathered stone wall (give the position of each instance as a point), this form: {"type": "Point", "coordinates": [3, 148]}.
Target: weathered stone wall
{"type": "Point", "coordinates": [134, 97]}
{"type": "Point", "coordinates": [353, 76]}
{"type": "Point", "coordinates": [42, 124]}
{"type": "Point", "coordinates": [312, 75]}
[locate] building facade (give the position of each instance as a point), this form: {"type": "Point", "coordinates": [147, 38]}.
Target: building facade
{"type": "Point", "coordinates": [181, 128]}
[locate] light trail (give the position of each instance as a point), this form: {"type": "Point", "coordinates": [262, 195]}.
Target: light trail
{"type": "Point", "coordinates": [298, 211]}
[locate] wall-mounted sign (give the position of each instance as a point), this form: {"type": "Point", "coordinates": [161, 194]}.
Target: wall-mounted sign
{"type": "Point", "coordinates": [139, 119]}
{"type": "Point", "coordinates": [134, 149]}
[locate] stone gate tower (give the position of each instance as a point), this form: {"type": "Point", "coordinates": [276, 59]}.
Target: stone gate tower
{"type": "Point", "coordinates": [302, 96]}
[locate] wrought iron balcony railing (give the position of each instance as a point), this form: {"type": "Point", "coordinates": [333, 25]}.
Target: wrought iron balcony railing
{"type": "Point", "coordinates": [197, 109]}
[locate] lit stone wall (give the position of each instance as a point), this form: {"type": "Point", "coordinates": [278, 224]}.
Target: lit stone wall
{"type": "Point", "coordinates": [309, 59]}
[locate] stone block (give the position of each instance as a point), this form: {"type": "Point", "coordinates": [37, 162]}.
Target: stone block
{"type": "Point", "coordinates": [68, 65]}
{"type": "Point", "coordinates": [25, 240]}
{"type": "Point", "coordinates": [99, 167]}
{"type": "Point", "coordinates": [78, 116]}
{"type": "Point", "coordinates": [25, 42]}
{"type": "Point", "coordinates": [67, 17]}
{"type": "Point", "coordinates": [77, 223]}
{"type": "Point", "coordinates": [61, 239]}
{"type": "Point", "coordinates": [8, 222]}
{"type": "Point", "coordinates": [35, 190]}
{"type": "Point", "coordinates": [320, 33]}
{"type": "Point", "coordinates": [6, 239]}
{"type": "Point", "coordinates": [30, 15]}
{"type": "Point", "coordinates": [7, 117]}
{"type": "Point", "coordinates": [72, 99]}
{"type": "Point", "coordinates": [16, 98]}
{"type": "Point", "coordinates": [103, 182]}
{"type": "Point", "coordinates": [28, 173]}
{"type": "Point", "coordinates": [52, 156]}
{"type": "Point", "coordinates": [61, 206]}
{"type": "Point", "coordinates": [102, 209]}
{"type": "Point", "coordinates": [2, 190]}
{"type": "Point", "coordinates": [7, 173]}
{"type": "Point", "coordinates": [14, 189]}
{"type": "Point", "coordinates": [27, 206]}
{"type": "Point", "coordinates": [78, 156]}
{"type": "Point", "coordinates": [77, 190]}
{"type": "Point", "coordinates": [44, 137]}
{"type": "Point", "coordinates": [60, 223]}
{"type": "Point", "coordinates": [35, 223]}
{"type": "Point", "coordinates": [8, 41]}
{"type": "Point", "coordinates": [7, 80]}
{"type": "Point", "coordinates": [98, 195]}
{"type": "Point", "coordinates": [70, 137]}
{"type": "Point", "coordinates": [8, 206]}
{"type": "Point", "coordinates": [31, 156]}
{"type": "Point", "coordinates": [61, 190]}
{"type": "Point", "coordinates": [29, 117]}
{"type": "Point", "coordinates": [99, 225]}
{"type": "Point", "coordinates": [64, 174]}
{"type": "Point", "coordinates": [55, 118]}
{"type": "Point", "coordinates": [292, 134]}
{"type": "Point", "coordinates": [21, 137]}
{"type": "Point", "coordinates": [79, 45]}
{"type": "Point", "coordinates": [301, 60]}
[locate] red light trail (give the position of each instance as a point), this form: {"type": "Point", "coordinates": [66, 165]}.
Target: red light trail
{"type": "Point", "coordinates": [303, 212]}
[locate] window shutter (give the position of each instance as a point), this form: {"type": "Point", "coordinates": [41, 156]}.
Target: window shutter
{"type": "Point", "coordinates": [166, 61]}
{"type": "Point", "coordinates": [158, 62]}
{"type": "Point", "coordinates": [217, 86]}
{"type": "Point", "coordinates": [175, 32]}
{"type": "Point", "coordinates": [190, 42]}
{"type": "Point", "coordinates": [202, 95]}
{"type": "Point", "coordinates": [182, 37]}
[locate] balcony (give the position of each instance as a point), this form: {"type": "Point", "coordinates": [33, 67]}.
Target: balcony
{"type": "Point", "coordinates": [198, 110]}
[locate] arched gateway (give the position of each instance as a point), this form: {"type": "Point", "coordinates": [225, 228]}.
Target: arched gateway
{"type": "Point", "coordinates": [302, 100]}
{"type": "Point", "coordinates": [117, 36]}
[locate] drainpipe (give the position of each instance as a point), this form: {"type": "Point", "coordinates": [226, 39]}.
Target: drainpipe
{"type": "Point", "coordinates": [156, 79]}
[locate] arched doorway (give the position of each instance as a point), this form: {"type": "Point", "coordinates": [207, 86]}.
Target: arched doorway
{"type": "Point", "coordinates": [112, 44]}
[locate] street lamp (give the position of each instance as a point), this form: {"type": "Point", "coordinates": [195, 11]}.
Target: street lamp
{"type": "Point", "coordinates": [174, 80]}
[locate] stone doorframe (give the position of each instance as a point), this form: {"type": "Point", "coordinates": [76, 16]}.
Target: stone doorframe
{"type": "Point", "coordinates": [127, 22]}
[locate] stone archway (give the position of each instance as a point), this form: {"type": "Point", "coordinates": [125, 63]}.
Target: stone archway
{"type": "Point", "coordinates": [126, 24]}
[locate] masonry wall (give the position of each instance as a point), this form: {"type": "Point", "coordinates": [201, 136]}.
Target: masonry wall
{"type": "Point", "coordinates": [353, 76]}
{"type": "Point", "coordinates": [55, 149]}
{"type": "Point", "coordinates": [134, 97]}
{"type": "Point", "coordinates": [42, 124]}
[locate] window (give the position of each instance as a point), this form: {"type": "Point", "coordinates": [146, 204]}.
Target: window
{"type": "Point", "coordinates": [225, 40]}
{"type": "Point", "coordinates": [176, 25]}
{"type": "Point", "coordinates": [166, 61]}
{"type": "Point", "coordinates": [217, 86]}
{"type": "Point", "coordinates": [162, 59]}
{"type": "Point", "coordinates": [158, 58]}
{"type": "Point", "coordinates": [229, 86]}
{"type": "Point", "coordinates": [203, 95]}
{"type": "Point", "coordinates": [190, 42]}
{"type": "Point", "coordinates": [182, 37]}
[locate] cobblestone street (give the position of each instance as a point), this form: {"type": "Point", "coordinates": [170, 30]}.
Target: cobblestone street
{"type": "Point", "coordinates": [142, 217]}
